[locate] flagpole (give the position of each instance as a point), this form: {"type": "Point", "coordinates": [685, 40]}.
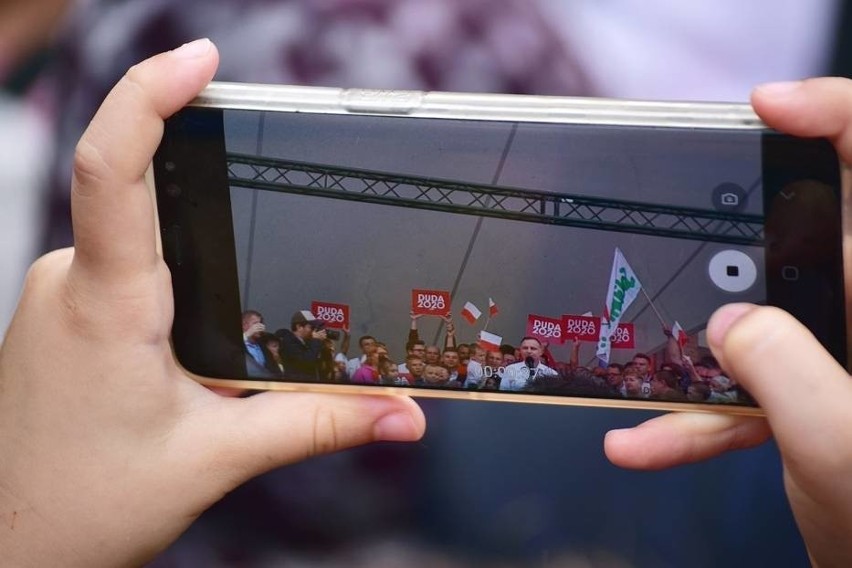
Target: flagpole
{"type": "Point", "coordinates": [653, 307]}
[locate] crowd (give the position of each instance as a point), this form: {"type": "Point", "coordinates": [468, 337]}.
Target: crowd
{"type": "Point", "coordinates": [307, 351]}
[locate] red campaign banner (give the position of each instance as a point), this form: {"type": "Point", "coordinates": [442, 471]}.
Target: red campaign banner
{"type": "Point", "coordinates": [334, 315]}
{"type": "Point", "coordinates": [545, 329]}
{"type": "Point", "coordinates": [624, 337]}
{"type": "Point", "coordinates": [430, 302]}
{"type": "Point", "coordinates": [588, 328]}
{"type": "Point", "coordinates": [581, 328]}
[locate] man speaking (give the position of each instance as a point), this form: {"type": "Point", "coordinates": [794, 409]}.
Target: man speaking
{"type": "Point", "coordinates": [520, 375]}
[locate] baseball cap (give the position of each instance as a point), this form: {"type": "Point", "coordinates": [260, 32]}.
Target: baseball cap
{"type": "Point", "coordinates": [303, 317]}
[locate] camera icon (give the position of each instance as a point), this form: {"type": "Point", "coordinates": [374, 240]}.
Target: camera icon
{"type": "Point", "coordinates": [730, 199]}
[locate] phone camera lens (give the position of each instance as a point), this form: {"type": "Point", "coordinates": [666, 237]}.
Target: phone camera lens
{"type": "Point", "coordinates": [170, 166]}
{"type": "Point", "coordinates": [173, 190]}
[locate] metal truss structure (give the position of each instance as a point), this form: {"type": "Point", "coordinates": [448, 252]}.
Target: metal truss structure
{"type": "Point", "coordinates": [492, 201]}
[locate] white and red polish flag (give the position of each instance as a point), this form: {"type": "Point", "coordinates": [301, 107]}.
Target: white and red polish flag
{"type": "Point", "coordinates": [470, 312]}
{"type": "Point", "coordinates": [680, 335]}
{"type": "Point", "coordinates": [489, 341]}
{"type": "Point", "coordinates": [623, 288]}
{"type": "Point", "coordinates": [493, 310]}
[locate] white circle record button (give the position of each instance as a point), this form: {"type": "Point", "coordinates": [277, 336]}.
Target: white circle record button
{"type": "Point", "coordinates": [732, 271]}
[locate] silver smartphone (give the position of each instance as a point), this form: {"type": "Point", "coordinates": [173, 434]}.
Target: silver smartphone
{"type": "Point", "coordinates": [495, 247]}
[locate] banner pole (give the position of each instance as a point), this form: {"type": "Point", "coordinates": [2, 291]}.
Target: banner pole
{"type": "Point", "coordinates": [653, 307]}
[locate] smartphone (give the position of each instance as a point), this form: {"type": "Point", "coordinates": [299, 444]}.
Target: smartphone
{"type": "Point", "coordinates": [494, 247]}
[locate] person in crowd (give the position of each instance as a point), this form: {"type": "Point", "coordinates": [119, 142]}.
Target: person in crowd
{"type": "Point", "coordinates": [494, 361]}
{"type": "Point", "coordinates": [368, 372]}
{"type": "Point", "coordinates": [642, 362]}
{"type": "Point", "coordinates": [464, 353]}
{"type": "Point", "coordinates": [450, 361]}
{"type": "Point", "coordinates": [272, 345]}
{"type": "Point", "coordinates": [326, 366]}
{"type": "Point", "coordinates": [456, 383]}
{"type": "Point", "coordinates": [342, 355]}
{"type": "Point", "coordinates": [683, 378]}
{"type": "Point", "coordinates": [547, 356]}
{"type": "Point", "coordinates": [698, 392]}
{"type": "Point", "coordinates": [414, 334]}
{"type": "Point", "coordinates": [301, 346]}
{"type": "Point", "coordinates": [633, 384]}
{"type": "Point", "coordinates": [645, 370]}
{"type": "Point", "coordinates": [708, 367]}
{"type": "Point", "coordinates": [416, 349]}
{"type": "Point", "coordinates": [722, 389]}
{"type": "Point", "coordinates": [367, 343]}
{"type": "Point", "coordinates": [415, 365]}
{"type": "Point", "coordinates": [340, 375]}
{"type": "Point", "coordinates": [614, 379]}
{"type": "Point", "coordinates": [509, 354]}
{"type": "Point", "coordinates": [517, 376]}
{"type": "Point", "coordinates": [450, 337]}
{"type": "Point", "coordinates": [665, 386]}
{"type": "Point", "coordinates": [259, 361]}
{"type": "Point", "coordinates": [574, 354]}
{"type": "Point", "coordinates": [493, 369]}
{"type": "Point", "coordinates": [432, 355]}
{"type": "Point", "coordinates": [389, 374]}
{"type": "Point", "coordinates": [435, 376]}
{"type": "Point", "coordinates": [253, 327]}
{"type": "Point", "coordinates": [473, 370]}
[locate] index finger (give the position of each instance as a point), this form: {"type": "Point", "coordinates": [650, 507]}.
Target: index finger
{"type": "Point", "coordinates": [113, 215]}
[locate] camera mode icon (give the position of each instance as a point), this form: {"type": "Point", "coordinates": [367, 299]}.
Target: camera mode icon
{"type": "Point", "coordinates": [729, 197]}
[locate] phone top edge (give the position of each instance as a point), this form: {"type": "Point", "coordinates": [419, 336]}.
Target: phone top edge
{"type": "Point", "coordinates": [469, 106]}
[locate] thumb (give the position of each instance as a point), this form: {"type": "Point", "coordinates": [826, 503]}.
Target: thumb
{"type": "Point", "coordinates": [279, 428]}
{"type": "Point", "coordinates": [109, 197]}
{"type": "Point", "coordinates": [803, 390]}
{"type": "Point", "coordinates": [815, 108]}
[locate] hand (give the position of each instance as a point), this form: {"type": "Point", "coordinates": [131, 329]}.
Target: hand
{"type": "Point", "coordinates": [451, 327]}
{"type": "Point", "coordinates": [109, 450]}
{"type": "Point", "coordinates": [319, 333]}
{"type": "Point", "coordinates": [806, 395]}
{"type": "Point", "coordinates": [253, 330]}
{"type": "Point", "coordinates": [414, 316]}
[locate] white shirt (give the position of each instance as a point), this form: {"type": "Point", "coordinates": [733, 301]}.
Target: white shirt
{"type": "Point", "coordinates": [354, 364]}
{"type": "Point", "coordinates": [517, 375]}
{"type": "Point", "coordinates": [474, 374]}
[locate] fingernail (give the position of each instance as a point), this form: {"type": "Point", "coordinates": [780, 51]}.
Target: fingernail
{"type": "Point", "coordinates": [723, 319]}
{"type": "Point", "coordinates": [779, 89]}
{"type": "Point", "coordinates": [193, 49]}
{"type": "Point", "coordinates": [395, 427]}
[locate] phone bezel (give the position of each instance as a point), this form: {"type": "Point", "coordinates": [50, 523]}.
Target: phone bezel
{"type": "Point", "coordinates": [509, 108]}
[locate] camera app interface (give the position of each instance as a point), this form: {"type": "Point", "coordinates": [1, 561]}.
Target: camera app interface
{"type": "Point", "coordinates": [537, 258]}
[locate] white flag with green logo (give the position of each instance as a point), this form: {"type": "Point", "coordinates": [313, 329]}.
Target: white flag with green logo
{"type": "Point", "coordinates": [624, 286]}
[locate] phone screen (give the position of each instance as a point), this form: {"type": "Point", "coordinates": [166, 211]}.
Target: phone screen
{"type": "Point", "coordinates": [532, 258]}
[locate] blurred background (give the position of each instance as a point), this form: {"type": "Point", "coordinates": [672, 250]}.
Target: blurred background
{"type": "Point", "coordinates": [490, 484]}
